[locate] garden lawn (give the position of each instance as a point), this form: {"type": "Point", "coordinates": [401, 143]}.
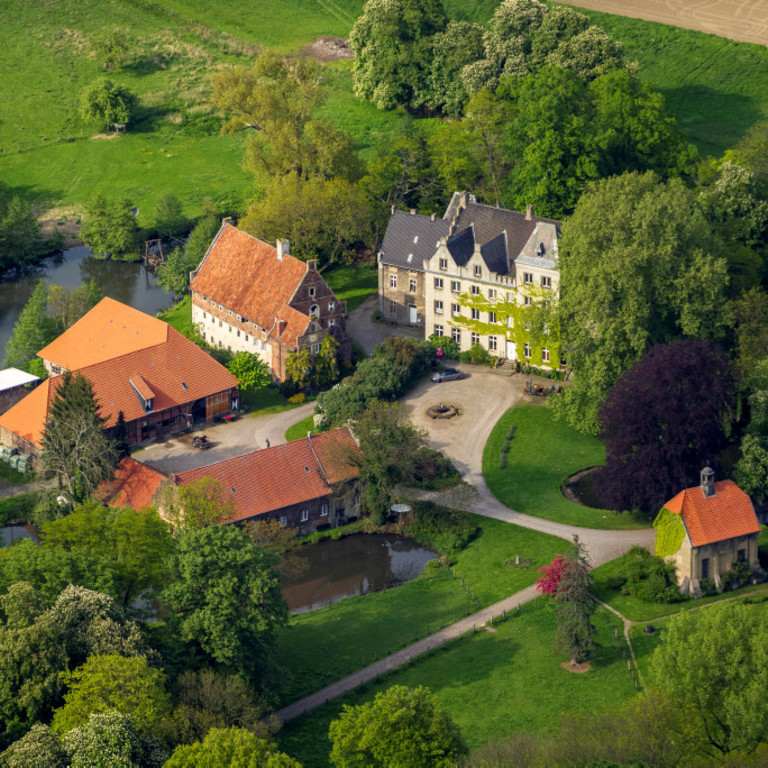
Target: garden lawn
{"type": "Point", "coordinates": [543, 454]}
{"type": "Point", "coordinates": [352, 283]}
{"type": "Point", "coordinates": [325, 645]}
{"type": "Point", "coordinates": [635, 609]}
{"type": "Point", "coordinates": [499, 682]}
{"type": "Point", "coordinates": [300, 429]}
{"type": "Point", "coordinates": [179, 316]}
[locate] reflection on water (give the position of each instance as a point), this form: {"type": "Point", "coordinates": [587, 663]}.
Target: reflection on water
{"type": "Point", "coordinates": [350, 566]}
{"type": "Point", "coordinates": [11, 533]}
{"type": "Point", "coordinates": [130, 283]}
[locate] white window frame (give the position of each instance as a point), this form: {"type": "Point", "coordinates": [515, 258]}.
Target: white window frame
{"type": "Point", "coordinates": [492, 343]}
{"type": "Point", "coordinates": [455, 286]}
{"type": "Point", "coordinates": [283, 521]}
{"type": "Point", "coordinates": [438, 307]}
{"type": "Point", "coordinates": [527, 350]}
{"type": "Point", "coordinates": [474, 338]}
{"type": "Point", "coordinates": [443, 264]}
{"type": "Point", "coordinates": [438, 330]}
{"type": "Point", "coordinates": [492, 317]}
{"type": "Point", "coordinates": [546, 281]}
{"type": "Point", "coordinates": [527, 278]}
{"type": "Point", "coordinates": [456, 335]}
{"type": "Point", "coordinates": [438, 283]}
{"type": "Point", "coordinates": [475, 290]}
{"type": "Point", "coordinates": [324, 510]}
{"type": "Point", "coordinates": [544, 355]}
{"type": "Point", "coordinates": [304, 515]}
{"type": "Point", "coordinates": [474, 313]}
{"type": "Point", "coordinates": [456, 310]}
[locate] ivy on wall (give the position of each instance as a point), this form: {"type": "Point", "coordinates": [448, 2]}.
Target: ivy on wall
{"type": "Point", "coordinates": [670, 532]}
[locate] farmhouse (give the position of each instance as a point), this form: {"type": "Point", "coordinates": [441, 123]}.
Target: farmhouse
{"type": "Point", "coordinates": [248, 296]}
{"type": "Point", "coordinates": [705, 530]}
{"type": "Point", "coordinates": [471, 275]}
{"type": "Point", "coordinates": [303, 484]}
{"type": "Point", "coordinates": [137, 364]}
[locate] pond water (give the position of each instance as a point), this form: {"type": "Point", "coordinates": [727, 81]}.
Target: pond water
{"type": "Point", "coordinates": [351, 566]}
{"type": "Point", "coordinates": [11, 533]}
{"type": "Point", "coordinates": [129, 282]}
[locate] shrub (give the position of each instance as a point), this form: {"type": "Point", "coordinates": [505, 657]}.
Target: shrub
{"type": "Point", "coordinates": [446, 343]}
{"type": "Point", "coordinates": [649, 578]}
{"type": "Point", "coordinates": [477, 354]}
{"type": "Point", "coordinates": [298, 398]}
{"type": "Point", "coordinates": [429, 468]}
{"type": "Point", "coordinates": [443, 529]}
{"type": "Point", "coordinates": [737, 576]}
{"type": "Point", "coordinates": [18, 509]}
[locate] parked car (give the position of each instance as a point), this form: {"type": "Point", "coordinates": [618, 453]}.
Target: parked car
{"type": "Point", "coordinates": [448, 374]}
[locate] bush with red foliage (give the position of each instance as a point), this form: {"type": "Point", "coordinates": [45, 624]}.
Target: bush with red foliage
{"type": "Point", "coordinates": [553, 573]}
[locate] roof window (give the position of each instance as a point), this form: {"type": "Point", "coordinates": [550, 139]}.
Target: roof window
{"type": "Point", "coordinates": [184, 385]}
{"type": "Point", "coordinates": [415, 239]}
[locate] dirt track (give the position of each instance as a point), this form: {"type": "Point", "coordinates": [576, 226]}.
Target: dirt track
{"type": "Point", "coordinates": [744, 20]}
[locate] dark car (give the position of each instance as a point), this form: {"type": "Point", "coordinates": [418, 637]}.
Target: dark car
{"type": "Point", "coordinates": [448, 374]}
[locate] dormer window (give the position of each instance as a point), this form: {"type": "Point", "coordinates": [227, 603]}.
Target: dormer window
{"type": "Point", "coordinates": [443, 263]}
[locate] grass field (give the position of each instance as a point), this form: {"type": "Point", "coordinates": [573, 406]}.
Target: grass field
{"type": "Point", "coordinates": [300, 429]}
{"type": "Point", "coordinates": [494, 684]}
{"type": "Point", "coordinates": [714, 87]}
{"type": "Point", "coordinates": [352, 283]}
{"type": "Point", "coordinates": [325, 645]}
{"type": "Point", "coordinates": [543, 454]}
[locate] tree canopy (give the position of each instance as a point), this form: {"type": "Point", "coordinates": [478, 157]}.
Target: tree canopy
{"type": "Point", "coordinates": [251, 371]}
{"type": "Point", "coordinates": [638, 267]}
{"type": "Point", "coordinates": [655, 444]}
{"type": "Point", "coordinates": [401, 728]}
{"type": "Point", "coordinates": [108, 102]}
{"type": "Point", "coordinates": [109, 228]}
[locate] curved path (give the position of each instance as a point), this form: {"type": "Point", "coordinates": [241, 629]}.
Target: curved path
{"type": "Point", "coordinates": [482, 397]}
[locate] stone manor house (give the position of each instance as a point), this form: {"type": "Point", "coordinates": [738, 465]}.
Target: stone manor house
{"type": "Point", "coordinates": [462, 275]}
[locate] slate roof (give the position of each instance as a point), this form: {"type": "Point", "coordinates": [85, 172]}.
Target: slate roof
{"type": "Point", "coordinates": [283, 475]}
{"type": "Point", "coordinates": [725, 515]}
{"type": "Point", "coordinates": [243, 273]}
{"type": "Point", "coordinates": [462, 246]}
{"type": "Point", "coordinates": [494, 254]}
{"type": "Point", "coordinates": [403, 229]}
{"type": "Point", "coordinates": [175, 372]}
{"type": "Point", "coordinates": [134, 485]}
{"type": "Point", "coordinates": [106, 331]}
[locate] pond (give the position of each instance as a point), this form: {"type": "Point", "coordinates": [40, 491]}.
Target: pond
{"type": "Point", "coordinates": [129, 282]}
{"type": "Point", "coordinates": [11, 533]}
{"type": "Point", "coordinates": [350, 566]}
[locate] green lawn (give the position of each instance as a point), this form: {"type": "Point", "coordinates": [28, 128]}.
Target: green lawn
{"type": "Point", "coordinates": [543, 454]}
{"type": "Point", "coordinates": [327, 644]}
{"type": "Point", "coordinates": [300, 429]}
{"type": "Point", "coordinates": [494, 684]}
{"type": "Point", "coordinates": [179, 315]}
{"type": "Point", "coordinates": [635, 609]}
{"type": "Point", "coordinates": [352, 283]}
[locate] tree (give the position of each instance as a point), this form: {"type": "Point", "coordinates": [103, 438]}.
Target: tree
{"type": "Point", "coordinates": [653, 444]}
{"type": "Point", "coordinates": [659, 277]}
{"type": "Point", "coordinates": [298, 368]}
{"type": "Point", "coordinates": [196, 505]}
{"type": "Point", "coordinates": [75, 446]}
{"type": "Point", "coordinates": [112, 682]}
{"type": "Point", "coordinates": [750, 320]}
{"type": "Point", "coordinates": [574, 607]}
{"type": "Point", "coordinates": [548, 583]}
{"type": "Point", "coordinates": [321, 218]}
{"type": "Point", "coordinates": [120, 438]}
{"type": "Point", "coordinates": [109, 228]}
{"type": "Point", "coordinates": [109, 103]}
{"type": "Point", "coordinates": [751, 472]}
{"type": "Point", "coordinates": [48, 570]}
{"type": "Point", "coordinates": [226, 598]}
{"type": "Point", "coordinates": [170, 220]}
{"type": "Point", "coordinates": [393, 44]}
{"type": "Point", "coordinates": [39, 747]}
{"type": "Point", "coordinates": [111, 46]}
{"type": "Point", "coordinates": [207, 699]}
{"type": "Point", "coordinates": [389, 443]}
{"type": "Point", "coordinates": [716, 663]}
{"type": "Point", "coordinates": [20, 240]}
{"type": "Point", "coordinates": [67, 306]}
{"type": "Point", "coordinates": [275, 101]}
{"type": "Point", "coordinates": [230, 747]}
{"type": "Point", "coordinates": [173, 276]}
{"type": "Point", "coordinates": [111, 738]}
{"type": "Point", "coordinates": [251, 371]}
{"type": "Point", "coordinates": [401, 728]}
{"type": "Point", "coordinates": [32, 331]}
{"type": "Point", "coordinates": [326, 362]}
{"type": "Point", "coordinates": [133, 545]}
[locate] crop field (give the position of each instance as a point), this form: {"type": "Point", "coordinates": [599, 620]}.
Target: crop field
{"type": "Point", "coordinates": [715, 87]}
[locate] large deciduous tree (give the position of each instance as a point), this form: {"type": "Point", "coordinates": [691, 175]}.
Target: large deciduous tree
{"type": "Point", "coordinates": [39, 747]}
{"type": "Point", "coordinates": [226, 598]}
{"type": "Point", "coordinates": [393, 44]}
{"type": "Point", "coordinates": [108, 102]}
{"type": "Point", "coordinates": [196, 505]}
{"type": "Point", "coordinates": [251, 371]}
{"type": "Point", "coordinates": [662, 422]}
{"type": "Point", "coordinates": [109, 228]}
{"type": "Point", "coordinates": [401, 727]}
{"type": "Point", "coordinates": [275, 102]}
{"type": "Point", "coordinates": [75, 445]}
{"type": "Point", "coordinates": [638, 267]}
{"type": "Point", "coordinates": [715, 663]}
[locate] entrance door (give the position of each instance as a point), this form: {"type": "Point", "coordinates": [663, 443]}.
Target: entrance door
{"type": "Point", "coordinates": [511, 352]}
{"type": "Point", "coordinates": [413, 316]}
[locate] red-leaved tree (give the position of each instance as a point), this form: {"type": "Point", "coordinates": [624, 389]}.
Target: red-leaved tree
{"type": "Point", "coordinates": [662, 422]}
{"type": "Point", "coordinates": [553, 573]}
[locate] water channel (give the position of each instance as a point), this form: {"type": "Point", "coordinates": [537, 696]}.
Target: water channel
{"type": "Point", "coordinates": [351, 566]}
{"type": "Point", "coordinates": [128, 282]}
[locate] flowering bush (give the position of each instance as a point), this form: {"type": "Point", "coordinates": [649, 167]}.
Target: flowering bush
{"type": "Point", "coordinates": [298, 398]}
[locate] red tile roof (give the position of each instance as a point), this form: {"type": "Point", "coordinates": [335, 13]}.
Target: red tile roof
{"type": "Point", "coordinates": [174, 372]}
{"type": "Point", "coordinates": [134, 485]}
{"type": "Point", "coordinates": [108, 330]}
{"type": "Point", "coordinates": [725, 515]}
{"type": "Point", "coordinates": [281, 476]}
{"type": "Point", "coordinates": [243, 274]}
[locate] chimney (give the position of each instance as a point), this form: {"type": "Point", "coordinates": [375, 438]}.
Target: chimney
{"type": "Point", "coordinates": [392, 210]}
{"type": "Point", "coordinates": [708, 481]}
{"type": "Point", "coordinates": [226, 221]}
{"type": "Point", "coordinates": [312, 265]}
{"type": "Point", "coordinates": [529, 213]}
{"type": "Point", "coordinates": [413, 211]}
{"type": "Point", "coordinates": [432, 217]}
{"type": "Point", "coordinates": [463, 199]}
{"type": "Point", "coordinates": [283, 248]}
{"type": "Point", "coordinates": [280, 325]}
